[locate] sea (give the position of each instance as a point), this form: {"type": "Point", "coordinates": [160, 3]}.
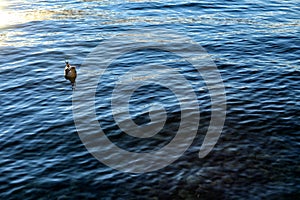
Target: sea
{"type": "Point", "coordinates": [158, 82]}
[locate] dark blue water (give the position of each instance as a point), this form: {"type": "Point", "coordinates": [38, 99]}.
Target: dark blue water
{"type": "Point", "coordinates": [254, 44]}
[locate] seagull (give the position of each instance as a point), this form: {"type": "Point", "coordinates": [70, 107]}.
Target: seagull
{"type": "Point", "coordinates": [70, 73]}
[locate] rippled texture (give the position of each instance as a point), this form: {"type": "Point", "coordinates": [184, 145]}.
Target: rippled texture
{"type": "Point", "coordinates": [255, 45]}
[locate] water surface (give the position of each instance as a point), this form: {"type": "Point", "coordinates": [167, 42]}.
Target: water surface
{"type": "Point", "coordinates": [256, 47]}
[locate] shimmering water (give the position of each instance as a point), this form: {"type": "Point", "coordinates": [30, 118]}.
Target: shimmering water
{"type": "Point", "coordinates": [256, 47]}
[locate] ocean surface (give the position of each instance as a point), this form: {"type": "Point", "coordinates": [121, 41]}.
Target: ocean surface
{"type": "Point", "coordinates": [255, 46]}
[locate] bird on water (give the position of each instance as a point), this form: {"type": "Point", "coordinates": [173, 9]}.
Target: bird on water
{"type": "Point", "coordinates": [70, 73]}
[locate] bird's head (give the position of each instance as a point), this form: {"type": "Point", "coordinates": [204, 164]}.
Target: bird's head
{"type": "Point", "coordinates": [67, 63]}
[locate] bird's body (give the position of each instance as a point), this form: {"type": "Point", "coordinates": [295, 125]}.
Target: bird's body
{"type": "Point", "coordinates": [70, 73]}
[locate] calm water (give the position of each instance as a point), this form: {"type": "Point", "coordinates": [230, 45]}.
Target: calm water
{"type": "Point", "coordinates": [256, 47]}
